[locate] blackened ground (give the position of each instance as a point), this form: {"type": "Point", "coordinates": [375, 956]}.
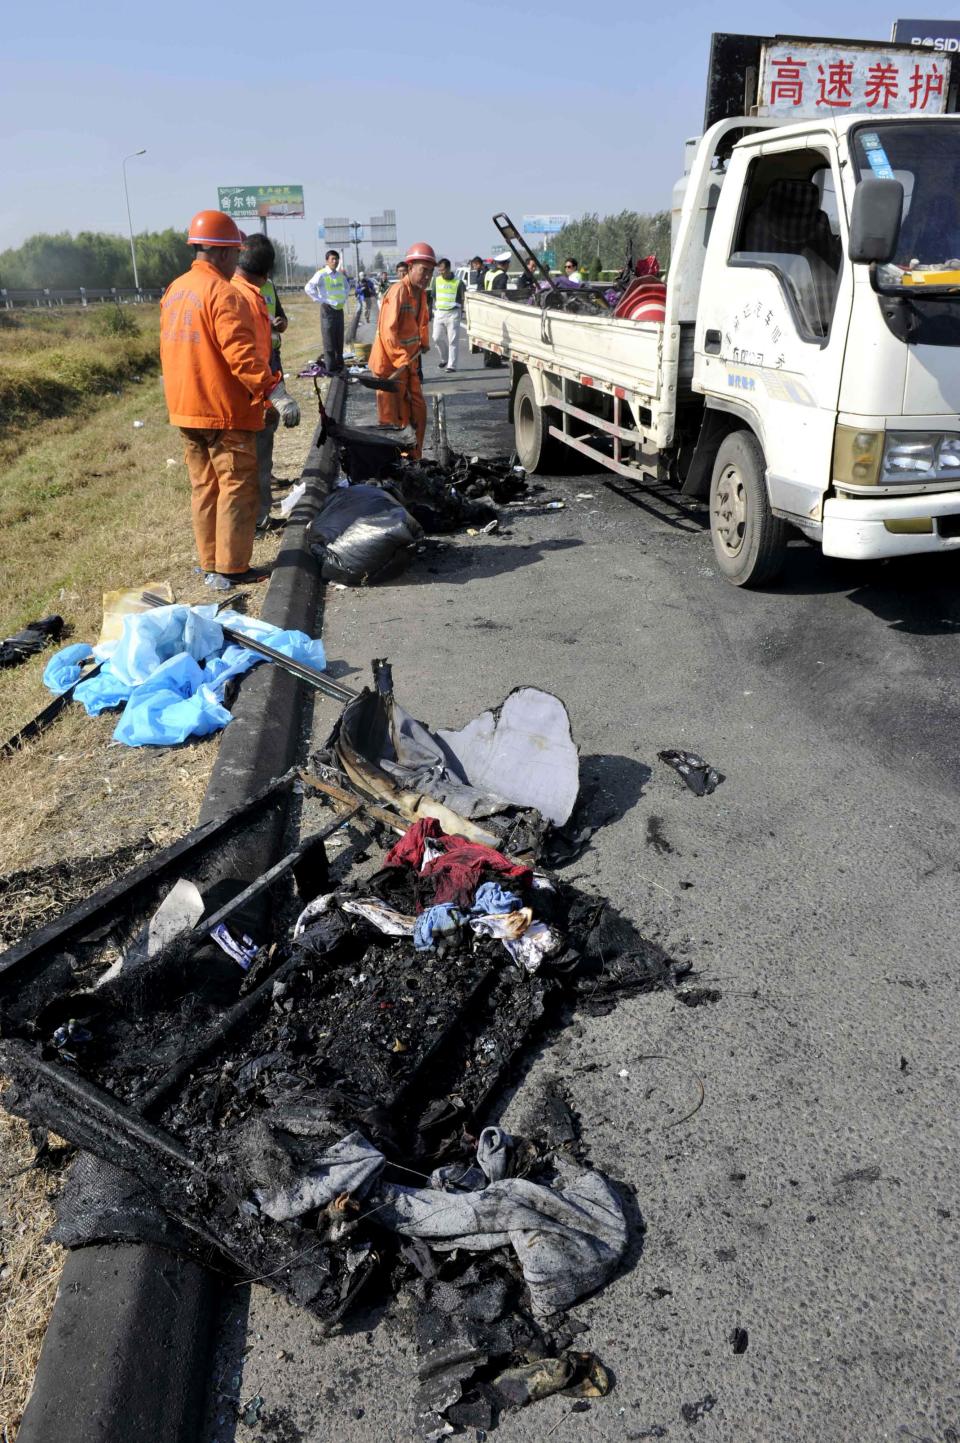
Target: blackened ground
{"type": "Point", "coordinates": [814, 1198]}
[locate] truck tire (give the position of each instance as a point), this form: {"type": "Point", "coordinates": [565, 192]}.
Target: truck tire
{"type": "Point", "coordinates": [537, 450]}
{"type": "Point", "coordinates": [749, 542]}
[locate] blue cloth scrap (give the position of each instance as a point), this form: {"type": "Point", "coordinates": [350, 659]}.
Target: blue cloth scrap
{"type": "Point", "coordinates": [435, 923]}
{"type": "Point", "coordinates": [64, 668]}
{"type": "Point", "coordinates": [169, 670]}
{"type": "Point", "coordinates": [492, 898]}
{"type": "Point", "coordinates": [173, 705]}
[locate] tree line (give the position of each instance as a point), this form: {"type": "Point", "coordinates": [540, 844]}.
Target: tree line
{"type": "Point", "coordinates": [97, 260]}
{"type": "Point", "coordinates": [604, 242]}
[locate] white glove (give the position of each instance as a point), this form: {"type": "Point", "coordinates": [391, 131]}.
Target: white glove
{"type": "Point", "coordinates": [285, 405]}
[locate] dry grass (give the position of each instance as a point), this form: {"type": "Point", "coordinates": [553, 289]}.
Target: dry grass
{"type": "Point", "coordinates": [29, 1269]}
{"type": "Point", "coordinates": [55, 363]}
{"type": "Point", "coordinates": [90, 504]}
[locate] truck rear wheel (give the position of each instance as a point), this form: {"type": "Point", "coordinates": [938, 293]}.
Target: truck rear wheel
{"type": "Point", "coordinates": [749, 542]}
{"type": "Point", "coordinates": [536, 448]}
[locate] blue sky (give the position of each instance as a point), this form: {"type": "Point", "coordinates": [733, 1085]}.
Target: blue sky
{"type": "Point", "coordinates": [445, 115]}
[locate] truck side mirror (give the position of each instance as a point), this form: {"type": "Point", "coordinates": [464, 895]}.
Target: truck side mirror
{"type": "Point", "coordinates": [875, 221]}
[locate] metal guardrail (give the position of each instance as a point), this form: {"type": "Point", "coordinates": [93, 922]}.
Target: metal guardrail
{"type": "Point", "coordinates": [42, 298]}
{"type": "Point", "coordinates": [38, 298]}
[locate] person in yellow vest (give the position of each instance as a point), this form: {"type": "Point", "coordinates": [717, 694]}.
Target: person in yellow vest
{"type": "Point", "coordinates": [448, 296]}
{"type": "Point", "coordinates": [328, 287]}
{"type": "Point", "coordinates": [496, 277]}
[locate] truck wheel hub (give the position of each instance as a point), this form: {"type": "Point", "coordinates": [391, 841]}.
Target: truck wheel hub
{"type": "Point", "coordinates": [730, 511]}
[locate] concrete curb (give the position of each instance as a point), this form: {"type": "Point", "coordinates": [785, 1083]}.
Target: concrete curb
{"type": "Point", "coordinates": [126, 1353]}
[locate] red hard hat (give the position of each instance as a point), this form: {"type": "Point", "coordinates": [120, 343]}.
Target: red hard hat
{"type": "Point", "coordinates": [420, 251]}
{"type": "Point", "coordinates": [213, 228]}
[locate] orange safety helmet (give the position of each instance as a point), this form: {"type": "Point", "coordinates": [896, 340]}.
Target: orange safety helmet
{"type": "Point", "coordinates": [420, 251]}
{"type": "Point", "coordinates": [214, 228]}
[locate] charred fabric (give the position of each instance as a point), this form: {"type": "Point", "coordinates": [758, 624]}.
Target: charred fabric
{"type": "Point", "coordinates": [315, 1106]}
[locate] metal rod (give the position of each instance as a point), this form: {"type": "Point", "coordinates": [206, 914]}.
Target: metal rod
{"type": "Point", "coordinates": [207, 924]}
{"type": "Point", "coordinates": [296, 668]}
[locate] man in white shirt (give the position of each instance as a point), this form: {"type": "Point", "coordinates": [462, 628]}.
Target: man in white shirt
{"type": "Point", "coordinates": [572, 271]}
{"type": "Point", "coordinates": [329, 288]}
{"type": "Point", "coordinates": [448, 297]}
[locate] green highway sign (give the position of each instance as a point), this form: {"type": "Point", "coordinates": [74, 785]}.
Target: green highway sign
{"type": "Point", "coordinates": [242, 201]}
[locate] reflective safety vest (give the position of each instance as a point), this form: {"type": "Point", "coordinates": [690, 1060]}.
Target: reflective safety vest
{"type": "Point", "coordinates": [446, 289]}
{"type": "Point", "coordinates": [335, 289]}
{"type": "Point", "coordinates": [488, 278]}
{"type": "Point", "coordinates": [269, 292]}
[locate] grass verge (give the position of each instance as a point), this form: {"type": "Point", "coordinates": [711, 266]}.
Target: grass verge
{"type": "Point", "coordinates": [90, 503]}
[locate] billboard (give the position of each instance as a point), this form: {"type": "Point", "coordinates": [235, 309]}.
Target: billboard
{"type": "Point", "coordinates": [805, 79]}
{"type": "Point", "coordinates": [243, 201]}
{"type": "Point", "coordinates": [940, 35]}
{"type": "Point", "coordinates": [544, 224]}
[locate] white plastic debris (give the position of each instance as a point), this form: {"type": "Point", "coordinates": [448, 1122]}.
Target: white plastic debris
{"type": "Point", "coordinates": [139, 425]}
{"type": "Point", "coordinates": [291, 500]}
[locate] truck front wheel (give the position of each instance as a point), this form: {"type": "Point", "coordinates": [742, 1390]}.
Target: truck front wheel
{"type": "Point", "coordinates": [537, 450]}
{"type": "Point", "coordinates": [748, 540]}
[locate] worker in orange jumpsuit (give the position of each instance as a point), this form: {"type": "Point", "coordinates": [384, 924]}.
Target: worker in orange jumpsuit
{"type": "Point", "coordinates": [403, 335]}
{"type": "Point", "coordinates": [216, 382]}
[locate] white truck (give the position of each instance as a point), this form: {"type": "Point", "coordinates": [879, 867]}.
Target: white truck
{"type": "Point", "coordinates": [806, 373]}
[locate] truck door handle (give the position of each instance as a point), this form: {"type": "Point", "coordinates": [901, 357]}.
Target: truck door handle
{"type": "Point", "coordinates": [711, 342]}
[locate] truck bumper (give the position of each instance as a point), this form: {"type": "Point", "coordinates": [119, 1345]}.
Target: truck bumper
{"type": "Point", "coordinates": [853, 527]}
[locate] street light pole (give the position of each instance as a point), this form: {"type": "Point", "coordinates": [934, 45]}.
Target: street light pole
{"type": "Point", "coordinates": [126, 194]}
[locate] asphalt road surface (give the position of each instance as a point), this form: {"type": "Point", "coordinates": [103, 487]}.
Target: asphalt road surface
{"type": "Point", "coordinates": [813, 1200]}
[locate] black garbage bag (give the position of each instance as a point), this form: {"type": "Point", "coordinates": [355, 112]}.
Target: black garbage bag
{"type": "Point", "coordinates": [362, 535]}
{"type": "Point", "coordinates": [31, 640]}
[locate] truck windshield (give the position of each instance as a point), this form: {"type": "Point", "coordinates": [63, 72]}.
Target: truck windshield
{"type": "Point", "coordinates": [925, 158]}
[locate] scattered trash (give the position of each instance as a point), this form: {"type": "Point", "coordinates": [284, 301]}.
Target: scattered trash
{"type": "Point", "coordinates": [250, 1412]}
{"type": "Point", "coordinates": [584, 495]}
{"type": "Point", "coordinates": [700, 777]}
{"type": "Point", "coordinates": [739, 1339]}
{"type": "Point", "coordinates": [243, 950]}
{"type": "Point", "coordinates": [293, 498]}
{"type": "Point", "coordinates": [694, 1412]}
{"type": "Point", "coordinates": [555, 506]}
{"type": "Point", "coordinates": [30, 641]}
{"type": "Point", "coordinates": [139, 425]}
{"type": "Point", "coordinates": [172, 461]}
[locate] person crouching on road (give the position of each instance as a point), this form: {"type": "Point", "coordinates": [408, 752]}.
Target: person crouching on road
{"type": "Point", "coordinates": [448, 298]}
{"type": "Point", "coordinates": [403, 335]}
{"type": "Point", "coordinates": [216, 382]}
{"type": "Point", "coordinates": [328, 287]}
{"type": "Point", "coordinates": [256, 261]}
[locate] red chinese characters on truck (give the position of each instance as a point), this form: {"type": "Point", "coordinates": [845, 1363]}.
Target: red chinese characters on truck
{"type": "Point", "coordinates": [811, 83]}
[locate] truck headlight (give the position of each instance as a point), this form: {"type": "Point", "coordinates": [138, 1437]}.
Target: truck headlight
{"type": "Point", "coordinates": [886, 458]}
{"type": "Point", "coordinates": [920, 456]}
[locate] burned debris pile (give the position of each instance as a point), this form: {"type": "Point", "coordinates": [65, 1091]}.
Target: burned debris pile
{"type": "Point", "coordinates": [315, 1105]}
{"type": "Point", "coordinates": [369, 528]}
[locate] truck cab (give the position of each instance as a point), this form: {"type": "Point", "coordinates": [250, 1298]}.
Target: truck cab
{"type": "Point", "coordinates": [846, 373]}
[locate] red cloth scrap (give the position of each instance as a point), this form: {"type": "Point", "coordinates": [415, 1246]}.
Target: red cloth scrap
{"type": "Point", "coordinates": [456, 874]}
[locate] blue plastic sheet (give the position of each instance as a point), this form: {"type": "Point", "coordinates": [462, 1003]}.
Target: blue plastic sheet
{"type": "Point", "coordinates": [63, 668]}
{"type": "Point", "coordinates": [169, 670]}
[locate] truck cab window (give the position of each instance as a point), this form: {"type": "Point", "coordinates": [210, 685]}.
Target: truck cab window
{"type": "Point", "coordinates": [789, 224]}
